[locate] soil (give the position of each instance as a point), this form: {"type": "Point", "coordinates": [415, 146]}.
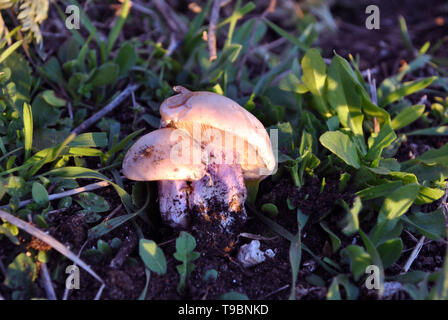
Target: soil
{"type": "Point", "coordinates": [123, 271]}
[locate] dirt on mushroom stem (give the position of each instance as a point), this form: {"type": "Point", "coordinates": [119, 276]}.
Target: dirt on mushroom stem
{"type": "Point", "coordinates": [217, 205]}
{"type": "Point", "coordinates": [213, 206]}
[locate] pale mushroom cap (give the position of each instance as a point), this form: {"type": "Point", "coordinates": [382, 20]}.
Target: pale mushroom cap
{"type": "Point", "coordinates": [201, 111]}
{"type": "Point", "coordinates": [156, 156]}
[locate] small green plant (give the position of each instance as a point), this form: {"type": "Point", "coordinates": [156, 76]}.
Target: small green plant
{"type": "Point", "coordinates": [152, 256]}
{"type": "Point", "coordinates": [185, 253]}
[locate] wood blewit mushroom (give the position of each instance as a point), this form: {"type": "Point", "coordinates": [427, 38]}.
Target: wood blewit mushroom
{"type": "Point", "coordinates": [206, 147]}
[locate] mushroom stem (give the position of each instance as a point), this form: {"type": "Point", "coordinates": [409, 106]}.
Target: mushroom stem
{"type": "Point", "coordinates": [173, 202]}
{"type": "Point", "coordinates": [217, 199]}
{"type": "Point", "coordinates": [219, 196]}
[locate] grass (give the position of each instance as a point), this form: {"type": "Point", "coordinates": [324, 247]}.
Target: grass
{"type": "Point", "coordinates": [329, 124]}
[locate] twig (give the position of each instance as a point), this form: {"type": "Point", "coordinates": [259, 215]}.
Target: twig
{"type": "Point", "coordinates": [114, 212]}
{"type": "Point", "coordinates": [268, 46]}
{"type": "Point", "coordinates": [55, 244]}
{"type": "Point", "coordinates": [89, 187]}
{"type": "Point", "coordinates": [276, 291]}
{"type": "Point", "coordinates": [67, 288]}
{"type": "Point", "coordinates": [130, 242]}
{"type": "Point", "coordinates": [211, 35]}
{"type": "Point", "coordinates": [372, 86]}
{"type": "Point", "coordinates": [418, 247]}
{"type": "Point", "coordinates": [444, 206]}
{"type": "Point", "coordinates": [46, 282]}
{"type": "Point", "coordinates": [100, 291]}
{"type": "Point", "coordinates": [423, 100]}
{"type": "Point", "coordinates": [174, 22]}
{"type": "Point", "coordinates": [269, 9]}
{"type": "Point", "coordinates": [57, 211]}
{"type": "Point", "coordinates": [414, 254]}
{"type": "Point", "coordinates": [2, 267]}
{"type": "Point", "coordinates": [166, 242]}
{"type": "Point", "coordinates": [70, 110]}
{"type": "Point", "coordinates": [174, 43]}
{"type": "Point", "coordinates": [111, 106]}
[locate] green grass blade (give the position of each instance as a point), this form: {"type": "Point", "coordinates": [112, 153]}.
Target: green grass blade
{"type": "Point", "coordinates": [27, 129]}
{"type": "Point", "coordinates": [113, 35]}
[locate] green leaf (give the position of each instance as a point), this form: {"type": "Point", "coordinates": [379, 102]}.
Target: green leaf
{"type": "Point", "coordinates": [284, 34]}
{"type": "Point", "coordinates": [118, 25]}
{"type": "Point", "coordinates": [91, 139]}
{"type": "Point", "coordinates": [40, 194]}
{"type": "Point", "coordinates": [394, 206]}
{"type": "Point", "coordinates": [185, 245]}
{"type": "Point", "coordinates": [210, 275]}
{"type": "Point", "coordinates": [225, 58]}
{"type": "Point", "coordinates": [359, 260]}
{"type": "Point", "coordinates": [10, 231]}
{"type": "Point", "coordinates": [92, 202]}
{"type": "Point", "coordinates": [351, 220]}
{"type": "Point", "coordinates": [333, 292]}
{"type": "Point", "coordinates": [378, 191]}
{"type": "Point", "coordinates": [351, 290]}
{"type": "Point", "coordinates": [375, 257]}
{"type": "Point", "coordinates": [126, 58]}
{"type": "Point", "coordinates": [233, 295]}
{"type": "Point", "coordinates": [109, 225]}
{"type": "Point", "coordinates": [295, 257]}
{"type": "Point", "coordinates": [21, 77]}
{"type": "Point", "coordinates": [398, 203]}
{"type": "Point", "coordinates": [104, 247]}
{"type": "Point", "coordinates": [431, 225]}
{"type": "Point", "coordinates": [6, 53]}
{"type": "Point", "coordinates": [52, 70]}
{"type": "Point", "coordinates": [436, 131]}
{"type": "Point", "coordinates": [314, 77]}
{"type": "Point", "coordinates": [50, 98]}
{"type": "Point", "coordinates": [44, 114]}
{"type": "Point", "coordinates": [390, 251]}
{"type": "Point", "coordinates": [335, 241]}
{"type": "Point", "coordinates": [407, 116]}
{"type": "Point", "coordinates": [105, 74]}
{"type": "Point", "coordinates": [270, 209]}
{"type": "Point", "coordinates": [84, 173]}
{"type": "Point", "coordinates": [3, 188]}
{"type": "Point", "coordinates": [120, 145]}
{"type": "Point", "coordinates": [86, 152]}
{"type": "Point", "coordinates": [343, 95]}
{"type": "Point", "coordinates": [378, 141]}
{"type": "Point", "coordinates": [16, 187]}
{"type": "Point", "coordinates": [27, 129]}
{"type": "Point", "coordinates": [440, 290]}
{"type": "Point", "coordinates": [21, 272]}
{"type": "Point", "coordinates": [428, 195]}
{"type": "Point", "coordinates": [152, 256]}
{"type": "Point", "coordinates": [341, 145]}
{"type": "Point", "coordinates": [435, 156]}
{"type": "Point", "coordinates": [404, 90]}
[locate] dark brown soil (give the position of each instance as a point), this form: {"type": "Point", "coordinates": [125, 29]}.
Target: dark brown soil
{"type": "Point", "coordinates": [382, 51]}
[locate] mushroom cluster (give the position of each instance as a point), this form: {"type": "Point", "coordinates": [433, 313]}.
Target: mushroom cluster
{"type": "Point", "coordinates": [205, 149]}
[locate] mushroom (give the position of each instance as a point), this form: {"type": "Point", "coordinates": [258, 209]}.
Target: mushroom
{"type": "Point", "coordinates": [206, 147]}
